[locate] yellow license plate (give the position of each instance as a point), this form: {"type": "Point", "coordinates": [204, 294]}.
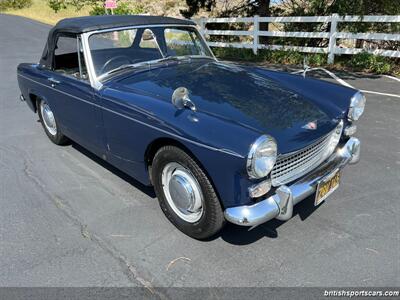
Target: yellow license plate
{"type": "Point", "coordinates": [327, 186]}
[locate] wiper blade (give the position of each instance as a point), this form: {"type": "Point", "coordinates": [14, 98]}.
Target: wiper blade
{"type": "Point", "coordinates": [148, 64]}
{"type": "Point", "coordinates": [167, 58]}
{"type": "Point", "coordinates": [184, 57]}
{"type": "Point", "coordinates": [126, 66]}
{"type": "Point", "coordinates": [123, 67]}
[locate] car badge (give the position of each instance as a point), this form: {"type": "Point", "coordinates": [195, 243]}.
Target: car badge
{"type": "Point", "coordinates": [311, 125]}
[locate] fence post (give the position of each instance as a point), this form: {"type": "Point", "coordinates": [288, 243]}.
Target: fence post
{"type": "Point", "coordinates": [202, 25]}
{"type": "Point", "coordinates": [256, 29]}
{"type": "Point", "coordinates": [332, 38]}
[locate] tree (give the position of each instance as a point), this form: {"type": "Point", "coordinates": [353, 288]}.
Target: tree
{"type": "Point", "coordinates": [123, 8]}
{"type": "Point", "coordinates": [242, 8]}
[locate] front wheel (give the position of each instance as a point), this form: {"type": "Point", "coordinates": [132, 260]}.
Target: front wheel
{"type": "Point", "coordinates": [185, 193]}
{"type": "Point", "coordinates": [49, 123]}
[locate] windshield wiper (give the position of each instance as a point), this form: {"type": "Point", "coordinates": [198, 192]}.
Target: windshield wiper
{"type": "Point", "coordinates": [148, 64]}
{"type": "Point", "coordinates": [167, 58]}
{"type": "Point", "coordinates": [123, 67]}
{"type": "Point", "coordinates": [138, 65]}
{"type": "Point", "coordinates": [126, 66]}
{"type": "Point", "coordinates": [184, 57]}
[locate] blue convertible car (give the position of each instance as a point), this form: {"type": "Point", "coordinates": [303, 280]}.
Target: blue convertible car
{"type": "Point", "coordinates": [217, 141]}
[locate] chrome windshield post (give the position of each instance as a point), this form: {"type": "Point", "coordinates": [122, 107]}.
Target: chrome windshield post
{"type": "Point", "coordinates": [94, 82]}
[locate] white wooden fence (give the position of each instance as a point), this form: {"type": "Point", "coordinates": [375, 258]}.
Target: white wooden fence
{"type": "Point", "coordinates": [332, 35]}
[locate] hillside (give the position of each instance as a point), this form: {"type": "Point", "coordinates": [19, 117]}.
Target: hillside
{"type": "Point", "coordinates": [40, 10]}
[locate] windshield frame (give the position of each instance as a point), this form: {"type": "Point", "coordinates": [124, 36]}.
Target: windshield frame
{"type": "Point", "coordinates": [96, 81]}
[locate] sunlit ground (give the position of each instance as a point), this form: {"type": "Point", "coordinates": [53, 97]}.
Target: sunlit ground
{"type": "Point", "coordinates": [40, 11]}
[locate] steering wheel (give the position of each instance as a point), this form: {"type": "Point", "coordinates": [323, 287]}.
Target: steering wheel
{"type": "Point", "coordinates": [115, 62]}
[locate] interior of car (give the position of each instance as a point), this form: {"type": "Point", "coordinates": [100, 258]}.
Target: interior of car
{"type": "Point", "coordinates": [132, 46]}
{"type": "Point", "coordinates": [113, 49]}
{"type": "Point", "coordinates": [66, 59]}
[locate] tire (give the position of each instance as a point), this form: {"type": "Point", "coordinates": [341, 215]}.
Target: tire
{"type": "Point", "coordinates": [50, 127]}
{"type": "Point", "coordinates": [200, 225]}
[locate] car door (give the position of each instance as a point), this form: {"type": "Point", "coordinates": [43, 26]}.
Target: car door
{"type": "Point", "coordinates": [125, 134]}
{"type": "Point", "coordinates": [73, 97]}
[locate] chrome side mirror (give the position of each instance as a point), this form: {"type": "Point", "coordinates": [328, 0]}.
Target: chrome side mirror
{"type": "Point", "coordinates": [181, 100]}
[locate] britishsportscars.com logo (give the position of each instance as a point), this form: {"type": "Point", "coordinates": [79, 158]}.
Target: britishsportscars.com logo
{"type": "Point", "coordinates": [361, 293]}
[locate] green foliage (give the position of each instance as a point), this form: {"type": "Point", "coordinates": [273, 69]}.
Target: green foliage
{"type": "Point", "coordinates": [14, 4]}
{"type": "Point", "coordinates": [240, 8]}
{"type": "Point", "coordinates": [97, 10]}
{"type": "Point", "coordinates": [123, 8]}
{"type": "Point", "coordinates": [365, 61]}
{"type": "Point", "coordinates": [270, 56]}
{"type": "Point", "coordinates": [56, 5]}
{"type": "Point", "coordinates": [78, 4]}
{"type": "Point", "coordinates": [317, 59]}
{"type": "Point", "coordinates": [236, 54]}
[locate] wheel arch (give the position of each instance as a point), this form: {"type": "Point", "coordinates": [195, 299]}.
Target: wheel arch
{"type": "Point", "coordinates": [158, 143]}
{"type": "Point", "coordinates": [33, 98]}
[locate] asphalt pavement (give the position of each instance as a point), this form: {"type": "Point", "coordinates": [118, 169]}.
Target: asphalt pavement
{"type": "Point", "coordinates": [70, 219]}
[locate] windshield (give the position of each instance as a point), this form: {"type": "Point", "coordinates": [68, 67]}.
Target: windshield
{"type": "Point", "coordinates": [113, 51]}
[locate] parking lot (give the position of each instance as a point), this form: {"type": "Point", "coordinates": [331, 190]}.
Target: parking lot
{"type": "Point", "coordinates": [69, 219]}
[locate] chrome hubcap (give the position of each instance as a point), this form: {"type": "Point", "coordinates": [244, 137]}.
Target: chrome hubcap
{"type": "Point", "coordinates": [48, 118]}
{"type": "Point", "coordinates": [182, 192]}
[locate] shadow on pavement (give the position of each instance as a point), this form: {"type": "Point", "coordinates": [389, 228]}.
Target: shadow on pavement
{"type": "Point", "coordinates": [233, 234]}
{"type": "Point", "coordinates": [149, 191]}
{"type": "Point", "coordinates": [239, 235]}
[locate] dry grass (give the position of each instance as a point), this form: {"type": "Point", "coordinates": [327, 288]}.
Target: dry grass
{"type": "Point", "coordinates": [40, 11]}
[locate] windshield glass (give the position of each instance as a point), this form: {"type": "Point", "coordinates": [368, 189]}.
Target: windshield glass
{"type": "Point", "coordinates": [117, 50]}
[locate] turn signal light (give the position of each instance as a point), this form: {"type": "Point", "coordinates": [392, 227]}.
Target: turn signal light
{"type": "Point", "coordinates": [260, 189]}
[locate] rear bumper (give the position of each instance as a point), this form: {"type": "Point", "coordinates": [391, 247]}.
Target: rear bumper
{"type": "Point", "coordinates": [280, 205]}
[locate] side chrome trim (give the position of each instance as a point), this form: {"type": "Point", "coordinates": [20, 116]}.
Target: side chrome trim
{"type": "Point", "coordinates": [226, 151]}
{"type": "Point", "coordinates": [280, 205]}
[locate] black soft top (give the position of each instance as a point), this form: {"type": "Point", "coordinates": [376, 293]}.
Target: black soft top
{"type": "Point", "coordinates": [91, 23]}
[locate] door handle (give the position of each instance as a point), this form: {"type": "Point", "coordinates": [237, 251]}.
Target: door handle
{"type": "Point", "coordinates": [53, 81]}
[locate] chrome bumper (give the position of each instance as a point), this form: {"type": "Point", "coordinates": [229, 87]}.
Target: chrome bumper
{"type": "Point", "coordinates": [280, 205]}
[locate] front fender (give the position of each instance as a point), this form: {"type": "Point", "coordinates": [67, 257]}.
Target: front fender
{"type": "Point", "coordinates": [133, 121]}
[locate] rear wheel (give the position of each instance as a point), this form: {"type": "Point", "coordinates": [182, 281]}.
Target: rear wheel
{"type": "Point", "coordinates": [185, 193]}
{"type": "Point", "coordinates": [49, 123]}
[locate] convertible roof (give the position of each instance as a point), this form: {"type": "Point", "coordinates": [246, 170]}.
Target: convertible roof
{"type": "Point", "coordinates": [91, 23]}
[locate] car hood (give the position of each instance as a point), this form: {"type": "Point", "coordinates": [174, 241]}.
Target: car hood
{"type": "Point", "coordinates": [241, 96]}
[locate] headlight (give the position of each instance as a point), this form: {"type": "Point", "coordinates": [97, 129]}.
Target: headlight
{"type": "Point", "coordinates": [357, 104]}
{"type": "Point", "coordinates": [262, 157]}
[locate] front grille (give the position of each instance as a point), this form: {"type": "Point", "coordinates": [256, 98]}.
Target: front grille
{"type": "Point", "coordinates": [291, 166]}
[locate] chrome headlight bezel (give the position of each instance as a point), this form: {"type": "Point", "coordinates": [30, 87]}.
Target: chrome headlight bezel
{"type": "Point", "coordinates": [357, 106]}
{"type": "Point", "coordinates": [258, 165]}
